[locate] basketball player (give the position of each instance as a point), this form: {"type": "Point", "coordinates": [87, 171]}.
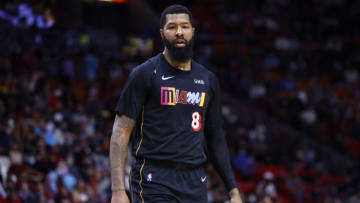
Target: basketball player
{"type": "Point", "coordinates": [170, 106]}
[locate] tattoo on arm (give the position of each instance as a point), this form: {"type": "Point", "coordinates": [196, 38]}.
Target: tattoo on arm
{"type": "Point", "coordinates": [118, 150]}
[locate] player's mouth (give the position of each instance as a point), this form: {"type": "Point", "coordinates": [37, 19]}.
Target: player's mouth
{"type": "Point", "coordinates": [180, 43]}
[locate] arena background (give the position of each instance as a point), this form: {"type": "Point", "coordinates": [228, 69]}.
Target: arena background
{"type": "Point", "coordinates": [289, 72]}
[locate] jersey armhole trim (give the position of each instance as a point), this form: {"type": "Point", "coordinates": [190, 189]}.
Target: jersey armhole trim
{"type": "Point", "coordinates": [141, 131]}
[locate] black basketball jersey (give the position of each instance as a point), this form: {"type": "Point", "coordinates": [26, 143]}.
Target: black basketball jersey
{"type": "Point", "coordinates": [172, 109]}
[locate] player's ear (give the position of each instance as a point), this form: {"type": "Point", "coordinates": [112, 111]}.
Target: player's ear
{"type": "Point", "coordinates": [161, 32]}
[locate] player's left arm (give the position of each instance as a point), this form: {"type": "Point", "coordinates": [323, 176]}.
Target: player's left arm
{"type": "Point", "coordinates": [216, 143]}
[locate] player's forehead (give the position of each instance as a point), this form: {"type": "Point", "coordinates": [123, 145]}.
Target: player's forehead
{"type": "Point", "coordinates": [177, 18]}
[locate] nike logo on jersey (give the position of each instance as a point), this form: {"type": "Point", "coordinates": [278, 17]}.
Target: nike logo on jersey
{"type": "Point", "coordinates": [203, 179]}
{"type": "Point", "coordinates": [166, 78]}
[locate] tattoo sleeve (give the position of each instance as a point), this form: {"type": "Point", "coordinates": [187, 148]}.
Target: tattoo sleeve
{"type": "Point", "coordinates": [122, 128]}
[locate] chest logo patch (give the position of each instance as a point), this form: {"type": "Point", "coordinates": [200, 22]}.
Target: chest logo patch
{"type": "Point", "coordinates": [171, 96]}
{"type": "Point", "coordinates": [197, 81]}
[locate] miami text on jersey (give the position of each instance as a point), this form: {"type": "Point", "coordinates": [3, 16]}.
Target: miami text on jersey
{"type": "Point", "coordinates": [171, 96]}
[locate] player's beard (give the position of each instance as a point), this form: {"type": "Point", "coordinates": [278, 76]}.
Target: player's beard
{"type": "Point", "coordinates": [179, 54]}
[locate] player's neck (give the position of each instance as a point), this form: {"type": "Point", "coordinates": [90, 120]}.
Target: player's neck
{"type": "Point", "coordinates": [185, 66]}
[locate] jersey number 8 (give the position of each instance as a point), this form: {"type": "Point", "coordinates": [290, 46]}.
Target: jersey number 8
{"type": "Point", "coordinates": [196, 121]}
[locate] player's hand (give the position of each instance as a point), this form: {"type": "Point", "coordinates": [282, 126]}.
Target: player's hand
{"type": "Point", "coordinates": [235, 196]}
{"type": "Point", "coordinates": [119, 197]}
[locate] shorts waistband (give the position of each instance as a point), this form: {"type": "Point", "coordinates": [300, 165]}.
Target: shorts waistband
{"type": "Point", "coordinates": [169, 164]}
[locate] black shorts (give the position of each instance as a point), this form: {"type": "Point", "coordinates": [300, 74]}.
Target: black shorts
{"type": "Point", "coordinates": [160, 182]}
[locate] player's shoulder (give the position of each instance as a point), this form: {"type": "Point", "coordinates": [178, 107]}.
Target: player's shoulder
{"type": "Point", "coordinates": [204, 71]}
{"type": "Point", "coordinates": [144, 69]}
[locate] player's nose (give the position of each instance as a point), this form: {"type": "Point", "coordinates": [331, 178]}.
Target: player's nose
{"type": "Point", "coordinates": [179, 31]}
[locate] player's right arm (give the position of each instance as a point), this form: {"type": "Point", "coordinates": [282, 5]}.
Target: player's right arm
{"type": "Point", "coordinates": [121, 132]}
{"type": "Point", "coordinates": [128, 108]}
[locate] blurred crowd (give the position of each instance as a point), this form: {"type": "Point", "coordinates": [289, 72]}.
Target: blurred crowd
{"type": "Point", "coordinates": [296, 60]}
{"type": "Point", "coordinates": [290, 61]}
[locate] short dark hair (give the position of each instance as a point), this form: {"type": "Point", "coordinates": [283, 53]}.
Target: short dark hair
{"type": "Point", "coordinates": [174, 9]}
